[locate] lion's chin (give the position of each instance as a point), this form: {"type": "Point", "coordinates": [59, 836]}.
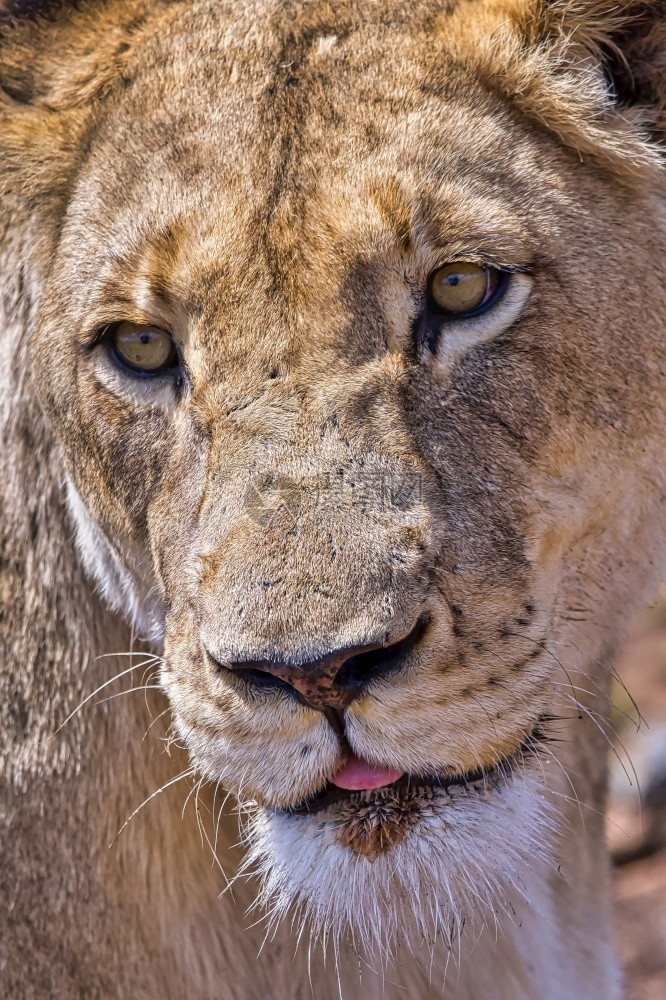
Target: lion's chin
{"type": "Point", "coordinates": [372, 822]}
{"type": "Point", "coordinates": [409, 862]}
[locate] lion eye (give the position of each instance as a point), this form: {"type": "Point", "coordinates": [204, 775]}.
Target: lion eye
{"type": "Point", "coordinates": [145, 349]}
{"type": "Point", "coordinates": [465, 289]}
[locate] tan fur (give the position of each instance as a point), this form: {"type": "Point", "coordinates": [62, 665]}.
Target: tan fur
{"type": "Point", "coordinates": [274, 183]}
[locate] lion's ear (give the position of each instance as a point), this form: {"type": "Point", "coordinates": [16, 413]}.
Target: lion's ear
{"type": "Point", "coordinates": [58, 59]}
{"type": "Point", "coordinates": [15, 10]}
{"type": "Point", "coordinates": [628, 39]}
{"type": "Point", "coordinates": [591, 72]}
{"type": "Point", "coordinates": [62, 53]}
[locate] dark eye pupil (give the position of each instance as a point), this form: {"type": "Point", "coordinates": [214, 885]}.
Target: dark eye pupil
{"type": "Point", "coordinates": [145, 339]}
{"type": "Point", "coordinates": [453, 279]}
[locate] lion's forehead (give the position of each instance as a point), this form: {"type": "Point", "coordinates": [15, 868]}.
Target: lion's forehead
{"type": "Point", "coordinates": [256, 120]}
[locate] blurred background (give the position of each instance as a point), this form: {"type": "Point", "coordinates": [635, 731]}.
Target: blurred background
{"type": "Point", "coordinates": [636, 826]}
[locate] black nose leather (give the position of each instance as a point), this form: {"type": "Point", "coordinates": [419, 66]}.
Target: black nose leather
{"type": "Point", "coordinates": [335, 680]}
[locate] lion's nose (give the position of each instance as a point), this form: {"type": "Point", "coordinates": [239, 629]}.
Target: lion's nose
{"type": "Point", "coordinates": [336, 679]}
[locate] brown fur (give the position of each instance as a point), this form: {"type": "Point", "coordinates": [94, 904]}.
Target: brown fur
{"type": "Point", "coordinates": [273, 183]}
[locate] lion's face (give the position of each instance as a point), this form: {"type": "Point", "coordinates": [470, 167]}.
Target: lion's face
{"type": "Point", "coordinates": [357, 490]}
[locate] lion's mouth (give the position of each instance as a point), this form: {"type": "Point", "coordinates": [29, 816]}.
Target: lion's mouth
{"type": "Point", "coordinates": [372, 822]}
{"type": "Point", "coordinates": [405, 787]}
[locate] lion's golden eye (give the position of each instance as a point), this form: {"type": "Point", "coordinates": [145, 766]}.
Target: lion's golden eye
{"type": "Point", "coordinates": [145, 349]}
{"type": "Point", "coordinates": [464, 289]}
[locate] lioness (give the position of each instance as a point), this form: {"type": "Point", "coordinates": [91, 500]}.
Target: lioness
{"type": "Point", "coordinates": [334, 369]}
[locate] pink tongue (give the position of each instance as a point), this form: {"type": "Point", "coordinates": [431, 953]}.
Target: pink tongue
{"type": "Point", "coordinates": [357, 775]}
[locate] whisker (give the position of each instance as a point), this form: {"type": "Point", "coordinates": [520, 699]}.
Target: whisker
{"type": "Point", "coordinates": [197, 812]}
{"type": "Point", "coordinates": [641, 718]}
{"type": "Point", "coordinates": [216, 859]}
{"type": "Point", "coordinates": [595, 717]}
{"type": "Point", "coordinates": [179, 777]}
{"type": "Point", "coordinates": [187, 799]}
{"type": "Point", "coordinates": [131, 652]}
{"type": "Point", "coordinates": [119, 694]}
{"type": "Point", "coordinates": [156, 719]}
{"type": "Point", "coordinates": [101, 687]}
{"type": "Point", "coordinates": [592, 694]}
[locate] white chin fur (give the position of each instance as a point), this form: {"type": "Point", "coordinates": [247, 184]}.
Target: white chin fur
{"type": "Point", "coordinates": [459, 867]}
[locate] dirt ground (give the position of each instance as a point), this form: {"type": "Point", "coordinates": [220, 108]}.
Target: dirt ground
{"type": "Point", "coordinates": [637, 825]}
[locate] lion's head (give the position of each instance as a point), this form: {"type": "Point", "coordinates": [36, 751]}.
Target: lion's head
{"type": "Point", "coordinates": [349, 326]}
